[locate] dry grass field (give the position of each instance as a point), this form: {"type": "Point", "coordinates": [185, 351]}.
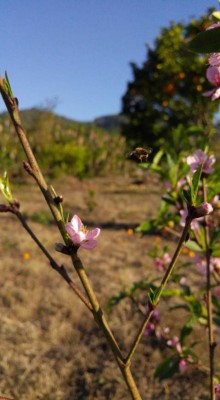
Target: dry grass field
{"type": "Point", "coordinates": [50, 347]}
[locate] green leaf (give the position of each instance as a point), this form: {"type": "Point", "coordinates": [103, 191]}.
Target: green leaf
{"type": "Point", "coordinates": [215, 236]}
{"type": "Point", "coordinates": [114, 300]}
{"type": "Point", "coordinates": [206, 42]}
{"type": "Point", "coordinates": [167, 368]}
{"type": "Point", "coordinates": [153, 295]}
{"type": "Point", "coordinates": [216, 253]}
{"type": "Point", "coordinates": [180, 307]}
{"type": "Point", "coordinates": [187, 195]}
{"type": "Point", "coordinates": [5, 188]}
{"type": "Point", "coordinates": [171, 292]}
{"type": "Point", "coordinates": [185, 331]}
{"type": "Point", "coordinates": [147, 226]}
{"type": "Point", "coordinates": [7, 86]}
{"type": "Point", "coordinates": [216, 15]}
{"type": "Point", "coordinates": [168, 199]}
{"type": "Point", "coordinates": [194, 246]}
{"type": "Point", "coordinates": [172, 170]}
{"type": "Point", "coordinates": [195, 184]}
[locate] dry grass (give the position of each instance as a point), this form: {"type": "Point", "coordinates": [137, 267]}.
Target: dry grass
{"type": "Point", "coordinates": [50, 347]}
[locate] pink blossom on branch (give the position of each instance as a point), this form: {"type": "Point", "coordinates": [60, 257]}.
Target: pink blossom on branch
{"type": "Point", "coordinates": [79, 235]}
{"type": "Point", "coordinates": [213, 76]}
{"type": "Point", "coordinates": [198, 158]}
{"type": "Point", "coordinates": [194, 224]}
{"type": "Point", "coordinates": [201, 264]}
{"type": "Point", "coordinates": [214, 59]}
{"type": "Point", "coordinates": [202, 210]}
{"type": "Point", "coordinates": [182, 365]}
{"type": "Point", "coordinates": [162, 262]}
{"type": "Point", "coordinates": [175, 343]}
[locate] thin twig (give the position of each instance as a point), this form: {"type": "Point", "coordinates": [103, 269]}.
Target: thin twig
{"type": "Point", "coordinates": [211, 341]}
{"type": "Point", "coordinates": [159, 291]}
{"type": "Point", "coordinates": [60, 269]}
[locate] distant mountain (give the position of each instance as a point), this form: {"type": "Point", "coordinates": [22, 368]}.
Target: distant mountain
{"type": "Point", "coordinates": [109, 122]}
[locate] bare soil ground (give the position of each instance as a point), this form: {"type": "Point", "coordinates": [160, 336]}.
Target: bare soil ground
{"type": "Point", "coordinates": [50, 346]}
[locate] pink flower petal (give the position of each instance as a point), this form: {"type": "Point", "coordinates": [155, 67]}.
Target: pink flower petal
{"type": "Point", "coordinates": [212, 26]}
{"type": "Point", "coordinates": [182, 365]}
{"type": "Point", "coordinates": [78, 237]}
{"type": "Point", "coordinates": [76, 223]}
{"type": "Point", "coordinates": [93, 234]}
{"type": "Point", "coordinates": [90, 244]}
{"type": "Point", "coordinates": [198, 158]}
{"type": "Point", "coordinates": [214, 59]}
{"type": "Point", "coordinates": [213, 75]}
{"type": "Point", "coordinates": [216, 94]}
{"type": "Point", "coordinates": [209, 93]}
{"type": "Point", "coordinates": [69, 229]}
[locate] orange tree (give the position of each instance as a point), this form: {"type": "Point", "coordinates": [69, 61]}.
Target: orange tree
{"type": "Point", "coordinates": [165, 92]}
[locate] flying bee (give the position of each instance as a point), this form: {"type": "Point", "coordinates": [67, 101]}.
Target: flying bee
{"type": "Point", "coordinates": [140, 154]}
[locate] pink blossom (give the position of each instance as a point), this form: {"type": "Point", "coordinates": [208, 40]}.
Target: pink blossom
{"type": "Point", "coordinates": [168, 186]}
{"type": "Point", "coordinates": [217, 391]}
{"type": "Point", "coordinates": [162, 262]}
{"type": "Point", "coordinates": [201, 263]}
{"type": "Point", "coordinates": [212, 26]}
{"type": "Point", "coordinates": [213, 76]}
{"type": "Point", "coordinates": [175, 343]}
{"type": "Point", "coordinates": [179, 184]}
{"type": "Point", "coordinates": [150, 329]}
{"type": "Point", "coordinates": [215, 200]}
{"type": "Point", "coordinates": [183, 280]}
{"type": "Point", "coordinates": [198, 158]}
{"type": "Point", "coordinates": [182, 365]}
{"type": "Point", "coordinates": [217, 291]}
{"type": "Point", "coordinates": [202, 210]}
{"type": "Point", "coordinates": [152, 326]}
{"type": "Point", "coordinates": [79, 235]}
{"type": "Point", "coordinates": [214, 59]}
{"type": "Point", "coordinates": [194, 224]}
{"type": "Point", "coordinates": [216, 263]}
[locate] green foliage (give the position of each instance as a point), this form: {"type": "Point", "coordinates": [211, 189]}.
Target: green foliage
{"type": "Point", "coordinates": [62, 145]}
{"type": "Point", "coordinates": [67, 158]}
{"type": "Point", "coordinates": [166, 92]}
{"type": "Point", "coordinates": [194, 186]}
{"type": "Point", "coordinates": [144, 285]}
{"type": "Point", "coordinates": [167, 368]}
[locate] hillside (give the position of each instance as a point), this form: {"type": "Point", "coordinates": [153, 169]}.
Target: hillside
{"type": "Point", "coordinates": [64, 145]}
{"type": "Point", "coordinates": [31, 115]}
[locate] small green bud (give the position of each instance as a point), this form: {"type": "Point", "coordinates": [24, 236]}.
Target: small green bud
{"type": "Point", "coordinates": [5, 188]}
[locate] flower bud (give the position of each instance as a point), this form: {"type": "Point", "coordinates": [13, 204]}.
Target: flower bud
{"type": "Point", "coordinates": [202, 210]}
{"type": "Point", "coordinates": [61, 248]}
{"type": "Point", "coordinates": [4, 208]}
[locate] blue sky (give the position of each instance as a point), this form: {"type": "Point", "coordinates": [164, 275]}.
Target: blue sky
{"type": "Point", "coordinates": [78, 51]}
